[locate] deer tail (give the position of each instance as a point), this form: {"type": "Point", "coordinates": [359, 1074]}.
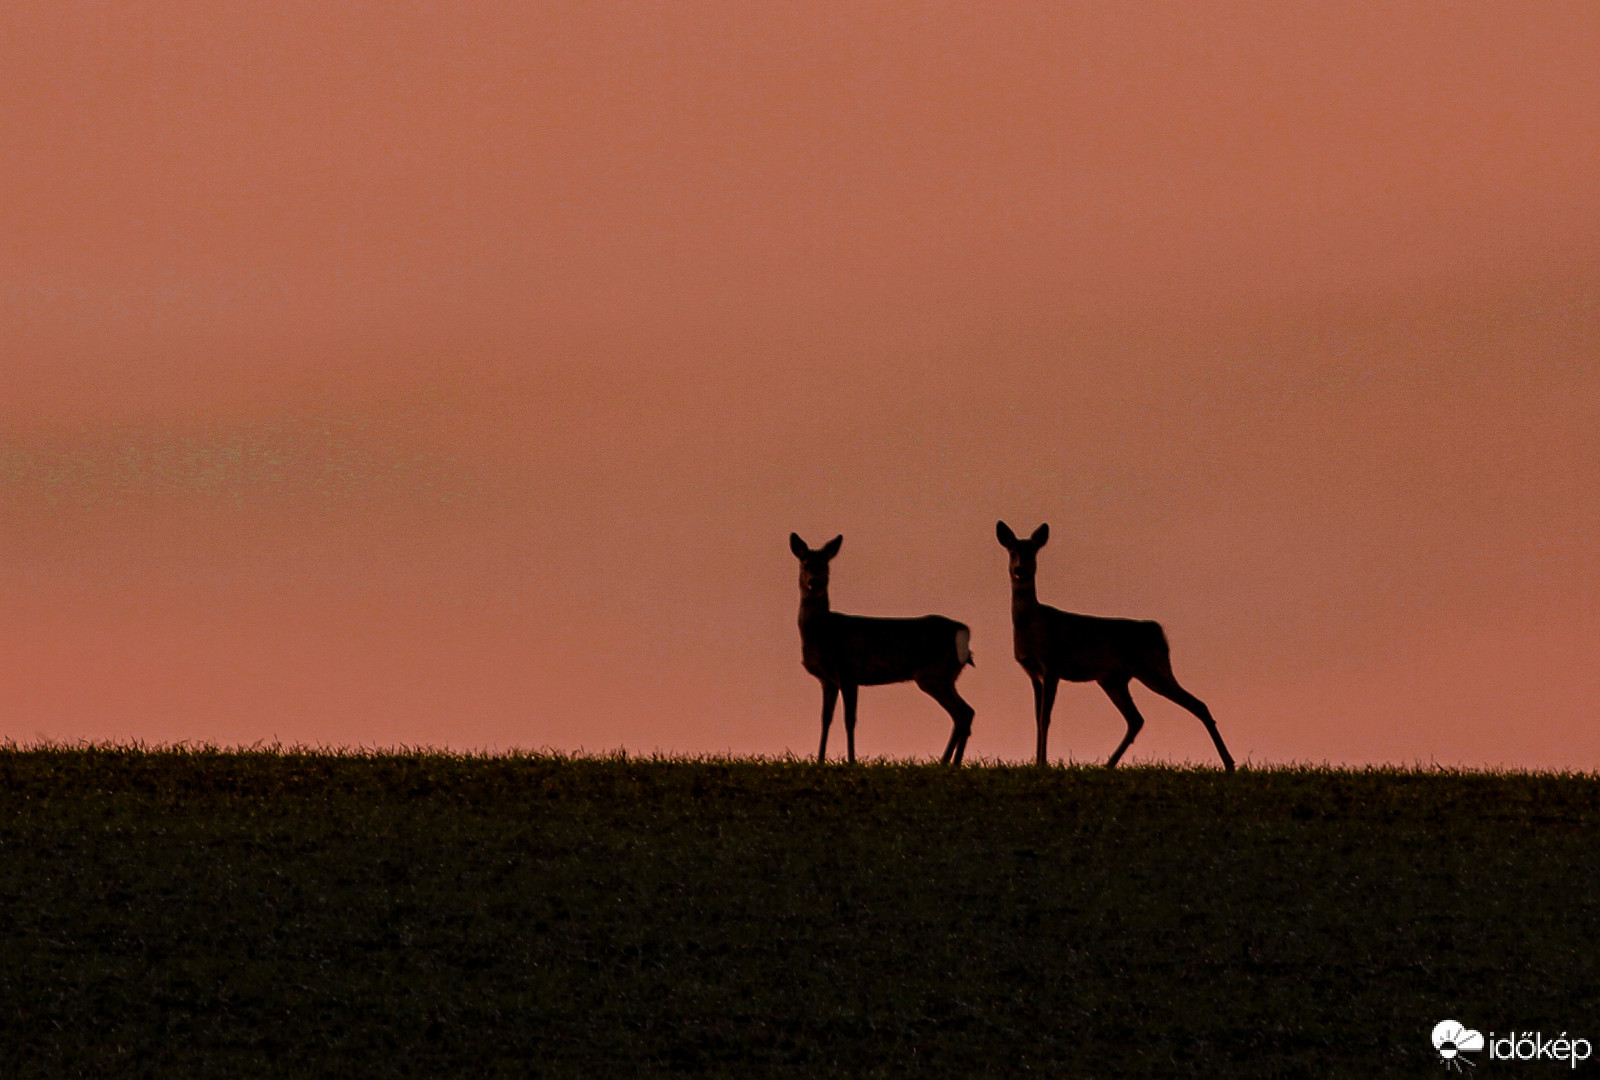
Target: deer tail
{"type": "Point", "coordinates": [963, 649]}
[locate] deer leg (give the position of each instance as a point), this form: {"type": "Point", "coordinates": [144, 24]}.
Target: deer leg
{"type": "Point", "coordinates": [1044, 700]}
{"type": "Point", "coordinates": [830, 694]}
{"type": "Point", "coordinates": [950, 747]}
{"type": "Point", "coordinates": [954, 747]}
{"type": "Point", "coordinates": [1166, 684]}
{"type": "Point", "coordinates": [961, 714]}
{"type": "Point", "coordinates": [1117, 690]}
{"type": "Point", "coordinates": [963, 722]}
{"type": "Point", "coordinates": [849, 692]}
{"type": "Point", "coordinates": [1038, 729]}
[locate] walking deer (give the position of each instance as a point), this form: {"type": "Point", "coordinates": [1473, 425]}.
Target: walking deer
{"type": "Point", "coordinates": [846, 652]}
{"type": "Point", "coordinates": [1051, 645]}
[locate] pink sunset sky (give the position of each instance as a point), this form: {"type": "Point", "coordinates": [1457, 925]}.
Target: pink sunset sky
{"type": "Point", "coordinates": [453, 373]}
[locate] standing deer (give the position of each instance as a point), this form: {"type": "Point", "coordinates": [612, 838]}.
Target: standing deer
{"type": "Point", "coordinates": [1051, 645]}
{"type": "Point", "coordinates": [846, 652]}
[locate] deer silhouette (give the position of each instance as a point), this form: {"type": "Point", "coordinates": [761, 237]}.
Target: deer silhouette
{"type": "Point", "coordinates": [1052, 645]}
{"type": "Point", "coordinates": [846, 652]}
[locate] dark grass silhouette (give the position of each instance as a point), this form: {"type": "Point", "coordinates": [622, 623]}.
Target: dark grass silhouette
{"type": "Point", "coordinates": [271, 914]}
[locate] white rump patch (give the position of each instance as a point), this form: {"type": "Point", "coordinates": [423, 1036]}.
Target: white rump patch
{"type": "Point", "coordinates": [963, 651]}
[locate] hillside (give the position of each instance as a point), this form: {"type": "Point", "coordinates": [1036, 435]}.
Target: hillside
{"type": "Point", "coordinates": [281, 914]}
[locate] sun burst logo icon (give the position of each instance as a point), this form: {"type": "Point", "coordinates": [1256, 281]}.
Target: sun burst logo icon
{"type": "Point", "coordinates": [1452, 1040]}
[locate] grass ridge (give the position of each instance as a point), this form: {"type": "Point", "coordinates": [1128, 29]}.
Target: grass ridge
{"type": "Point", "coordinates": [282, 912]}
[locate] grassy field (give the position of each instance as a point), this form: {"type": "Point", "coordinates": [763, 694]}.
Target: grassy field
{"type": "Point", "coordinates": [282, 914]}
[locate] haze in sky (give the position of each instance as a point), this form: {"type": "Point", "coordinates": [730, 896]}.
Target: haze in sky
{"type": "Point", "coordinates": [454, 374]}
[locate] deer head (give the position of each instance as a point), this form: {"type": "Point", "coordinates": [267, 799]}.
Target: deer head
{"type": "Point", "coordinates": [814, 565]}
{"type": "Point", "coordinates": [1024, 553]}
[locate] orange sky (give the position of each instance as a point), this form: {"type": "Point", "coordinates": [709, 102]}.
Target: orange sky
{"type": "Point", "coordinates": [455, 373]}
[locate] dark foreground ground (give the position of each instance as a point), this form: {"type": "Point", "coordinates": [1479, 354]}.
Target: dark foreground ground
{"type": "Point", "coordinates": [260, 914]}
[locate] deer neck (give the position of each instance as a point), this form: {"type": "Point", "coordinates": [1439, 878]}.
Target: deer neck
{"type": "Point", "coordinates": [1024, 598]}
{"type": "Point", "coordinates": [812, 606]}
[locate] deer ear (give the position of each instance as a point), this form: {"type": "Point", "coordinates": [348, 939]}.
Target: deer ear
{"type": "Point", "coordinates": [1040, 536]}
{"type": "Point", "coordinates": [1007, 538]}
{"type": "Point", "coordinates": [831, 548]}
{"type": "Point", "coordinates": [798, 546]}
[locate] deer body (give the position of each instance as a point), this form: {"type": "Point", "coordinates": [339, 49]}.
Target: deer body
{"type": "Point", "coordinates": [846, 652]}
{"type": "Point", "coordinates": [1082, 648]}
{"type": "Point", "coordinates": [1051, 645]}
{"type": "Point", "coordinates": [863, 651]}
